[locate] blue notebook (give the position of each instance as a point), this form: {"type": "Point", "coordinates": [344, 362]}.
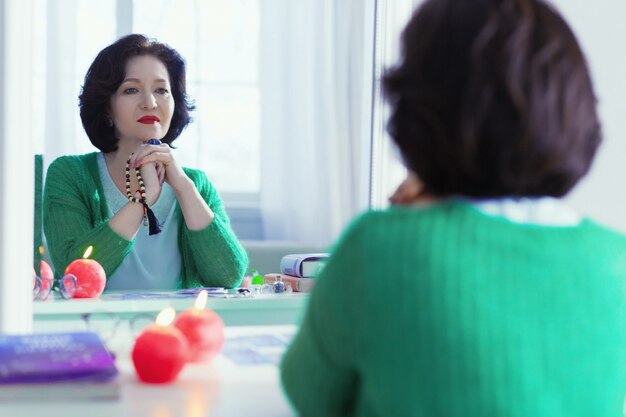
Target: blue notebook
{"type": "Point", "coordinates": [55, 357]}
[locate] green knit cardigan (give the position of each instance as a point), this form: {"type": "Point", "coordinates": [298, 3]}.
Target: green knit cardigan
{"type": "Point", "coordinates": [445, 311]}
{"type": "Point", "coordinates": [75, 217]}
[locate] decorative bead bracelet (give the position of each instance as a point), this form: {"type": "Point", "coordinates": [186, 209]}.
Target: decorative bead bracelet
{"type": "Point", "coordinates": [148, 214]}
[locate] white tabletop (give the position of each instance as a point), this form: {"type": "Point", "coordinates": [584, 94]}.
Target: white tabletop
{"type": "Point", "coordinates": [226, 387]}
{"type": "Point", "coordinates": [257, 309]}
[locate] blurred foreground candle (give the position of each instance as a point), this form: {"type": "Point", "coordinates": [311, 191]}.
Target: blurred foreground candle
{"type": "Point", "coordinates": [160, 351]}
{"type": "Point", "coordinates": [90, 276]}
{"type": "Point", "coordinates": [203, 328]}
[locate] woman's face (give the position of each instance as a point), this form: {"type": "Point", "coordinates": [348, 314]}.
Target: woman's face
{"type": "Point", "coordinates": [143, 105]}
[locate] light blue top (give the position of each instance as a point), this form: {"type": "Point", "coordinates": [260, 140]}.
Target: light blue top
{"type": "Point", "coordinates": [154, 263]}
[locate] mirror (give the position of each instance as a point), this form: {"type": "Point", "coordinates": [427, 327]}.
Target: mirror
{"type": "Point", "coordinates": [282, 91]}
{"type": "Point", "coordinates": [275, 84]}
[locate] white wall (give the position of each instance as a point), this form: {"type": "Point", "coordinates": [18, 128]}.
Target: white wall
{"type": "Point", "coordinates": [16, 168]}
{"type": "Point", "coordinates": [602, 33]}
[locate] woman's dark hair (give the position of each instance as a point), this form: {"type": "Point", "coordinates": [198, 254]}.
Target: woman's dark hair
{"type": "Point", "coordinates": [106, 74]}
{"type": "Point", "coordinates": [492, 98]}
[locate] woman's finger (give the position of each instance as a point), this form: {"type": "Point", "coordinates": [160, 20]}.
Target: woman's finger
{"type": "Point", "coordinates": [160, 173]}
{"type": "Point", "coordinates": [164, 158]}
{"type": "Point", "coordinates": [145, 150]}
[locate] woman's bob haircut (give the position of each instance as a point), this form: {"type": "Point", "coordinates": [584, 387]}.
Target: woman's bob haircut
{"type": "Point", "coordinates": [106, 74]}
{"type": "Point", "coordinates": [492, 98]}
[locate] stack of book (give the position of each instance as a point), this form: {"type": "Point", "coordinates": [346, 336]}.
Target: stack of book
{"type": "Point", "coordinates": [299, 270]}
{"type": "Point", "coordinates": [56, 367]}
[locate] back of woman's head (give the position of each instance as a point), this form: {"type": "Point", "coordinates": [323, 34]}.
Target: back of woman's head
{"type": "Point", "coordinates": [106, 74]}
{"type": "Point", "coordinates": [493, 98]}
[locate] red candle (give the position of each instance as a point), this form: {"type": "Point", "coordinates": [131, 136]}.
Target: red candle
{"type": "Point", "coordinates": [47, 276]}
{"type": "Point", "coordinates": [45, 271]}
{"type": "Point", "coordinates": [160, 351]}
{"type": "Point", "coordinates": [90, 276]}
{"type": "Point", "coordinates": [203, 328]}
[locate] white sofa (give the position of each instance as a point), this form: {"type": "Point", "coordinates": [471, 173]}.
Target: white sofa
{"type": "Point", "coordinates": [265, 256]}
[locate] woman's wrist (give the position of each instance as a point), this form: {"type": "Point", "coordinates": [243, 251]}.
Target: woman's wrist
{"type": "Point", "coordinates": [127, 220]}
{"type": "Point", "coordinates": [152, 198]}
{"type": "Point", "coordinates": [184, 186]}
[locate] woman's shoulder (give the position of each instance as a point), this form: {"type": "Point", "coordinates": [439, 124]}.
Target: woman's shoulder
{"type": "Point", "coordinates": [458, 213]}
{"type": "Point", "coordinates": [72, 171]}
{"type": "Point", "coordinates": [599, 232]}
{"type": "Point", "coordinates": [73, 162]}
{"type": "Point", "coordinates": [402, 213]}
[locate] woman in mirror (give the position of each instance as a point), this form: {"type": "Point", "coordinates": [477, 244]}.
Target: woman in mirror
{"type": "Point", "coordinates": [480, 293]}
{"type": "Point", "coordinates": [152, 223]}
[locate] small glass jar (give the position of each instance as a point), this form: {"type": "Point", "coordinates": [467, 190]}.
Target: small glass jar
{"type": "Point", "coordinates": [279, 285]}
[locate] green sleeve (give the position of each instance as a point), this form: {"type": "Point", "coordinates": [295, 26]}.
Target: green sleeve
{"type": "Point", "coordinates": [319, 370]}
{"type": "Point", "coordinates": [212, 257]}
{"type": "Point", "coordinates": [73, 219]}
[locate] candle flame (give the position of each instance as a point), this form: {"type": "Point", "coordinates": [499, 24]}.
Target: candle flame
{"type": "Point", "coordinates": [201, 300]}
{"type": "Point", "coordinates": [87, 252]}
{"type": "Point", "coordinates": [166, 316]}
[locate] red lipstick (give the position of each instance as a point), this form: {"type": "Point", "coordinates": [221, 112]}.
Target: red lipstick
{"type": "Point", "coordinates": [148, 120]}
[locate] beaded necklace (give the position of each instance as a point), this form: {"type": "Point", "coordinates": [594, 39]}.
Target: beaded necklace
{"type": "Point", "coordinates": [148, 214]}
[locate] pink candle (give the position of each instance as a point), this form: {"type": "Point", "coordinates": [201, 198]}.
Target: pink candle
{"type": "Point", "coordinates": [90, 276]}
{"type": "Point", "coordinates": [160, 351]}
{"type": "Point", "coordinates": [203, 328]}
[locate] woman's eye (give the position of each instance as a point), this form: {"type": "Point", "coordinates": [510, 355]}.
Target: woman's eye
{"type": "Point", "coordinates": [162, 90]}
{"type": "Point", "coordinates": [130, 90]}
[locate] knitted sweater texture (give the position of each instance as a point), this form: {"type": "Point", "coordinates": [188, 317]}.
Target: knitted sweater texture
{"type": "Point", "coordinates": [75, 217]}
{"type": "Point", "coordinates": [445, 311]}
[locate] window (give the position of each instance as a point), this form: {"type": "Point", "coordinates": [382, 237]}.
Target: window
{"type": "Point", "coordinates": [220, 41]}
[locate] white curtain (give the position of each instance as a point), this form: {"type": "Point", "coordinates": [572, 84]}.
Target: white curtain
{"type": "Point", "coordinates": [59, 135]}
{"type": "Point", "coordinates": [61, 59]}
{"type": "Point", "coordinates": [315, 77]}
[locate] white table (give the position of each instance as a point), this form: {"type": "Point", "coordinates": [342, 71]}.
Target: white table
{"type": "Point", "coordinates": [220, 389]}
{"type": "Point", "coordinates": [56, 314]}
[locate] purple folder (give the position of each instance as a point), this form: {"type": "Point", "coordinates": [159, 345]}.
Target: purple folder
{"type": "Point", "coordinates": [55, 357]}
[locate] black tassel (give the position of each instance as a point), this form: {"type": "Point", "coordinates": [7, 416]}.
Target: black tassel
{"type": "Point", "coordinates": [153, 224]}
